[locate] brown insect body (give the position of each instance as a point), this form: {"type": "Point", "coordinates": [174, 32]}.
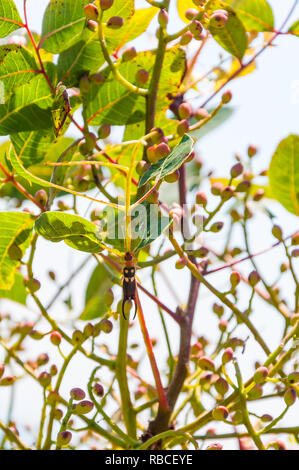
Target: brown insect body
{"type": "Point", "coordinates": [129, 282]}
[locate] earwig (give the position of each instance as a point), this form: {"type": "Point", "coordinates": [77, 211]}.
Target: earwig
{"type": "Point", "coordinates": [129, 283]}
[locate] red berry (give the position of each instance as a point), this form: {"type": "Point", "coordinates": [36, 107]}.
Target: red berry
{"type": "Point", "coordinates": [55, 338]}
{"type": "Point", "coordinates": [91, 11]}
{"type": "Point", "coordinates": [115, 22]}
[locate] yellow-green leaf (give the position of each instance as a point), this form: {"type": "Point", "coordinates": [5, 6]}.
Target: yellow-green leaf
{"type": "Point", "coordinates": [284, 173]}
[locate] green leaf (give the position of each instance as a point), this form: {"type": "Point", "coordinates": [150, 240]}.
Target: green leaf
{"type": "Point", "coordinates": [76, 232]}
{"type": "Point", "coordinates": [131, 29]}
{"type": "Point", "coordinates": [284, 173]}
{"type": "Point", "coordinates": [63, 24]}
{"type": "Point", "coordinates": [15, 236]}
{"type": "Point", "coordinates": [28, 108]}
{"type": "Point", "coordinates": [123, 8]}
{"type": "Point", "coordinates": [9, 18]}
{"type": "Point", "coordinates": [32, 146]}
{"type": "Point", "coordinates": [112, 103]}
{"type": "Point", "coordinates": [18, 67]}
{"type": "Point", "coordinates": [256, 15]}
{"type": "Point", "coordinates": [17, 292]}
{"type": "Point", "coordinates": [232, 37]}
{"type": "Point", "coordinates": [99, 282]}
{"type": "Point", "coordinates": [171, 163]}
{"type": "Point", "coordinates": [83, 57]}
{"type": "Point", "coordinates": [294, 29]}
{"type": "Point", "coordinates": [147, 225]}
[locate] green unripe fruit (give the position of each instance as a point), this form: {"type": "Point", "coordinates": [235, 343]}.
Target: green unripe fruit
{"type": "Point", "coordinates": [201, 198]}
{"type": "Point", "coordinates": [32, 284]}
{"type": "Point", "coordinates": [153, 198]}
{"type": "Point", "coordinates": [216, 227]}
{"type": "Point", "coordinates": [88, 330]}
{"type": "Point", "coordinates": [53, 370]}
{"type": "Point", "coordinates": [184, 111]}
{"type": "Point", "coordinates": [218, 309]}
{"type": "Point", "coordinates": [221, 386]}
{"type": "Point", "coordinates": [173, 177]}
{"type": "Point", "coordinates": [91, 12]}
{"type": "Point", "coordinates": [180, 263]}
{"type": "Point", "coordinates": [206, 363]}
{"type": "Point", "coordinates": [97, 78]}
{"type": "Point", "coordinates": [222, 325]}
{"type": "Point", "coordinates": [163, 18]}
{"type": "Point", "coordinates": [251, 151]}
{"type": "Point", "coordinates": [236, 170]}
{"type": "Point", "coordinates": [218, 19]}
{"type": "Point", "coordinates": [90, 140]}
{"type": "Point", "coordinates": [96, 214]}
{"type": "Point", "coordinates": [42, 359]}
{"type": "Point", "coordinates": [258, 195]}
{"type": "Point", "coordinates": [83, 149]}
{"type": "Point", "coordinates": [217, 188]}
{"type": "Point", "coordinates": [266, 418]}
{"type": "Point", "coordinates": [15, 252]}
{"type": "Point", "coordinates": [226, 97]}
{"type": "Point", "coordinates": [182, 127]}
{"type": "Point", "coordinates": [235, 279]}
{"type": "Point", "coordinates": [7, 381]}
{"type": "Point", "coordinates": [215, 446]}
{"type": "Point", "coordinates": [44, 379]}
{"type": "Point", "coordinates": [158, 135]}
{"type": "Point", "coordinates": [142, 167]}
{"type": "Point", "coordinates": [35, 334]}
{"type": "Point", "coordinates": [227, 355]}
{"type": "Point", "coordinates": [58, 414]}
{"type": "Point", "coordinates": [260, 375]}
{"type": "Point", "coordinates": [277, 232]}
{"type": "Point", "coordinates": [64, 438]}
{"type": "Point", "coordinates": [220, 413]}
{"type": "Point", "coordinates": [293, 377]}
{"type": "Point", "coordinates": [41, 197]}
{"type": "Point", "coordinates": [84, 84]}
{"type": "Point", "coordinates": [186, 38]}
{"type": "Point", "coordinates": [191, 13]}
{"type": "Point", "coordinates": [98, 390]}
{"type": "Point", "coordinates": [243, 187]}
{"type": "Point", "coordinates": [152, 155]}
{"type": "Point", "coordinates": [104, 131]}
{"type": "Point", "coordinates": [201, 113]}
{"type": "Point", "coordinates": [78, 337]}
{"type": "Point", "coordinates": [162, 150]}
{"type": "Point", "coordinates": [129, 54]}
{"type": "Point", "coordinates": [142, 77]}
{"type": "Point", "coordinates": [106, 325]}
{"type": "Point", "coordinates": [227, 193]}
{"type": "Point", "coordinates": [237, 417]}
{"type": "Point", "coordinates": [295, 239]}
{"type": "Point", "coordinates": [83, 407]}
{"type": "Point", "coordinates": [115, 22]}
{"type": "Point", "coordinates": [256, 392]}
{"type": "Point", "coordinates": [290, 397]}
{"type": "Point", "coordinates": [106, 4]}
{"type": "Point", "coordinates": [77, 394]}
{"type": "Point", "coordinates": [253, 278]}
{"type": "Point", "coordinates": [196, 28]}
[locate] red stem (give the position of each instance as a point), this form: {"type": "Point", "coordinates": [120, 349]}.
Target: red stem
{"type": "Point", "coordinates": [160, 390]}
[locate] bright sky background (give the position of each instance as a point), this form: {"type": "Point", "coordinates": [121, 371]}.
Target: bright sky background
{"type": "Point", "coordinates": [266, 111]}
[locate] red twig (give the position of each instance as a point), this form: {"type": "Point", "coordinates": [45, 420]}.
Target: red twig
{"type": "Point", "coordinates": [160, 390]}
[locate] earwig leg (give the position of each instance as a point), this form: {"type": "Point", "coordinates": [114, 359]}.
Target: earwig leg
{"type": "Point", "coordinates": [123, 309]}
{"type": "Point", "coordinates": [135, 302]}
